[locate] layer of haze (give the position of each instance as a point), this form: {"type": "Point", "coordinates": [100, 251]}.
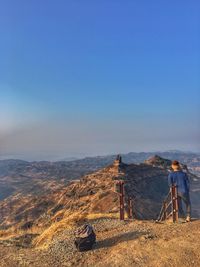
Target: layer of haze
{"type": "Point", "coordinates": [98, 77]}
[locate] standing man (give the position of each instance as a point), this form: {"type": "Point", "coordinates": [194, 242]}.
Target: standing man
{"type": "Point", "coordinates": [181, 180]}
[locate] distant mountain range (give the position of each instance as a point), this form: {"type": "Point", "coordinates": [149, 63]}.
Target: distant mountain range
{"type": "Point", "coordinates": [23, 176]}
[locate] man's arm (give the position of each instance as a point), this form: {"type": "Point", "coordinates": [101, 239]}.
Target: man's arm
{"type": "Point", "coordinates": [170, 179]}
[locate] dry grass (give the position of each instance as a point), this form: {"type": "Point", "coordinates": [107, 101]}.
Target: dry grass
{"type": "Point", "coordinates": [137, 243]}
{"type": "Point", "coordinates": [68, 222]}
{"type": "Point", "coordinates": [94, 216]}
{"type": "Point", "coordinates": [13, 232]}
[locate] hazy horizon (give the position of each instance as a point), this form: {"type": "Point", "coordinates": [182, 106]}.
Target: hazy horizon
{"type": "Point", "coordinates": [96, 78]}
{"type": "Point", "coordinates": [65, 157]}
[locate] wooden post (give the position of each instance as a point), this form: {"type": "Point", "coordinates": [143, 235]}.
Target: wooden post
{"type": "Point", "coordinates": [121, 199]}
{"type": "Point", "coordinates": [174, 197]}
{"type": "Point", "coordinates": [130, 208]}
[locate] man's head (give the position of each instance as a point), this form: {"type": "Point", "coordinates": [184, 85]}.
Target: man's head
{"type": "Point", "coordinates": [175, 165]}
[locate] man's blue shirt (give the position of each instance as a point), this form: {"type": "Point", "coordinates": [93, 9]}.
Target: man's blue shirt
{"type": "Point", "coordinates": [180, 179]}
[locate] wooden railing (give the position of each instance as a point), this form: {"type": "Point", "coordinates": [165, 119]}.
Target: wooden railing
{"type": "Point", "coordinates": [170, 206]}
{"type": "Point", "coordinates": [124, 201]}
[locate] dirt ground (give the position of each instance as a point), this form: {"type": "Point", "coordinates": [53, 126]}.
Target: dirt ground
{"type": "Point", "coordinates": [129, 243]}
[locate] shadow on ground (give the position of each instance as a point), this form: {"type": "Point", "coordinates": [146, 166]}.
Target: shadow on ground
{"type": "Point", "coordinates": [109, 242]}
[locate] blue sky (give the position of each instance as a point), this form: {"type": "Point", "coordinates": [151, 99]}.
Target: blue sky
{"type": "Point", "coordinates": [98, 77]}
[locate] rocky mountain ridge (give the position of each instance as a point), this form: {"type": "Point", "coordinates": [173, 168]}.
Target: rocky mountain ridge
{"type": "Point", "coordinates": [37, 229]}
{"type": "Point", "coordinates": [18, 176]}
{"type": "Point", "coordinates": [145, 183]}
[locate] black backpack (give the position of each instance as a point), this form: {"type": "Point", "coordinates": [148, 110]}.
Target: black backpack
{"type": "Point", "coordinates": [85, 238]}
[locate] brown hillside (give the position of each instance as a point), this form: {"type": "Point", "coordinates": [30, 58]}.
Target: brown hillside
{"type": "Point", "coordinates": [94, 193]}
{"type": "Point", "coordinates": [38, 230]}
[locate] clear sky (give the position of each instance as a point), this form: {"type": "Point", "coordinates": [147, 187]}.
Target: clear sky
{"type": "Point", "coordinates": [98, 77]}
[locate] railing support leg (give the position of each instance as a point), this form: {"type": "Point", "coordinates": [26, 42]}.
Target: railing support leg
{"type": "Point", "coordinates": [174, 197]}
{"type": "Point", "coordinates": [121, 200]}
{"type": "Point", "coordinates": [130, 208]}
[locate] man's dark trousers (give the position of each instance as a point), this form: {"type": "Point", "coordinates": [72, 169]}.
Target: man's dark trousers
{"type": "Point", "coordinates": [185, 197]}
